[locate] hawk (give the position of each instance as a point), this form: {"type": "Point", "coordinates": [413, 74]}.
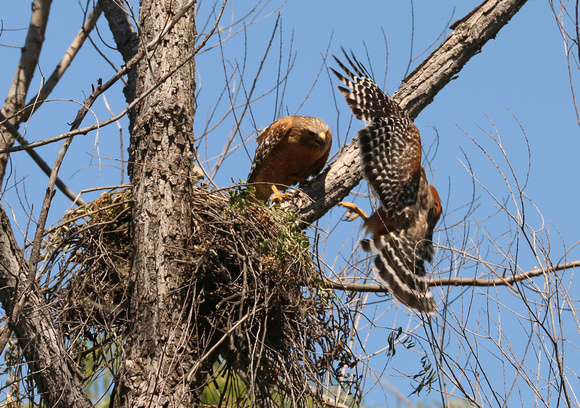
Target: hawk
{"type": "Point", "coordinates": [289, 151]}
{"type": "Point", "coordinates": [390, 153]}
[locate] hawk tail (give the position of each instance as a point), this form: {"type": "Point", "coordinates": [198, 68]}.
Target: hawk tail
{"type": "Point", "coordinates": [398, 265]}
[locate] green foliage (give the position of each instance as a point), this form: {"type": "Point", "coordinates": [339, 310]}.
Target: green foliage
{"type": "Point", "coordinates": [242, 196]}
{"type": "Point", "coordinates": [227, 388]}
{"type": "Point", "coordinates": [290, 245]}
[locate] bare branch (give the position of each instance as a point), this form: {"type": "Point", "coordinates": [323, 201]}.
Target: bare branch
{"type": "Point", "coordinates": [74, 197]}
{"type": "Point", "coordinates": [25, 71]}
{"type": "Point", "coordinates": [61, 68]}
{"type": "Point", "coordinates": [456, 281]}
{"type": "Point", "coordinates": [24, 114]}
{"type": "Point", "coordinates": [213, 29]}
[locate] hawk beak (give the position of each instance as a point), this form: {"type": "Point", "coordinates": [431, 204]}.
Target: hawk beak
{"type": "Point", "coordinates": [321, 140]}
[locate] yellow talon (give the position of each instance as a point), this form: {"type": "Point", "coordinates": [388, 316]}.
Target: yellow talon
{"type": "Point", "coordinates": [278, 197]}
{"type": "Point", "coordinates": [353, 211]}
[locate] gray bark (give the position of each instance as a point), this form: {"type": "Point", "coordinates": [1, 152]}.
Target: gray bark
{"type": "Point", "coordinates": [125, 37]}
{"type": "Point", "coordinates": [154, 372]}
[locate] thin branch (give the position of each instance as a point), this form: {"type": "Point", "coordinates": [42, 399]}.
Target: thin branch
{"type": "Point", "coordinates": [124, 70]}
{"type": "Point", "coordinates": [40, 98]}
{"type": "Point", "coordinates": [61, 67]}
{"type": "Point", "coordinates": [246, 105]}
{"type": "Point", "coordinates": [457, 281]}
{"type": "Point", "coordinates": [213, 29]}
{"type": "Point", "coordinates": [74, 197]}
{"type": "Point", "coordinates": [22, 78]}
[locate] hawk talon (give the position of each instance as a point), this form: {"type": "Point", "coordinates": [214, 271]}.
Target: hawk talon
{"type": "Point", "coordinates": [353, 211]}
{"type": "Point", "coordinates": [278, 197]}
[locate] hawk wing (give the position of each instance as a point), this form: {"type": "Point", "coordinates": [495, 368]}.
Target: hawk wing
{"type": "Point", "coordinates": [389, 145]}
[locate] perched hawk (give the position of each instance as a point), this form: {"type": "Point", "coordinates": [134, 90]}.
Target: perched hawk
{"type": "Point", "coordinates": [390, 152]}
{"type": "Point", "coordinates": [289, 151]}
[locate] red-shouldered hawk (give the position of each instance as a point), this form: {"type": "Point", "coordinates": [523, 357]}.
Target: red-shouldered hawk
{"type": "Point", "coordinates": [289, 151]}
{"type": "Point", "coordinates": [390, 152]}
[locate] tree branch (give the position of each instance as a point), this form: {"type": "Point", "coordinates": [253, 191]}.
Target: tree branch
{"type": "Point", "coordinates": [457, 281]}
{"type": "Point", "coordinates": [418, 90]}
{"type": "Point", "coordinates": [25, 71]}
{"type": "Point", "coordinates": [11, 124]}
{"type": "Point", "coordinates": [125, 37]}
{"type": "Point", "coordinates": [61, 67]}
{"type": "Point", "coordinates": [49, 362]}
{"type": "Point", "coordinates": [74, 197]}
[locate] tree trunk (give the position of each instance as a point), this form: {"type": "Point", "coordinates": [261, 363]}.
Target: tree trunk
{"type": "Point", "coordinates": [162, 154]}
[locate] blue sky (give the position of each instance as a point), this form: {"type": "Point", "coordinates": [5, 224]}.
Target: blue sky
{"type": "Point", "coordinates": [518, 85]}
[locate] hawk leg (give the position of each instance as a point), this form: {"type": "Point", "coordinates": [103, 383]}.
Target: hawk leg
{"type": "Point", "coordinates": [353, 211]}
{"type": "Point", "coordinates": [278, 197]}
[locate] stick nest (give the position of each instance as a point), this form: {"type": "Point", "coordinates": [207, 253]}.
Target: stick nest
{"type": "Point", "coordinates": [260, 317]}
